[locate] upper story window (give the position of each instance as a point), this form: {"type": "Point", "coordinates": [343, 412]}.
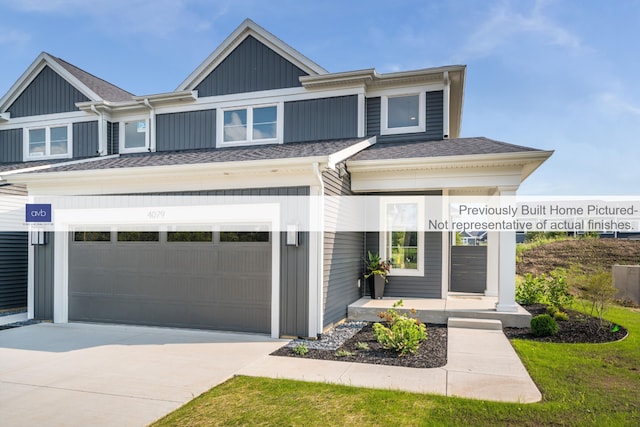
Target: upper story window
{"type": "Point", "coordinates": [49, 142]}
{"type": "Point", "coordinates": [134, 136]}
{"type": "Point", "coordinates": [402, 113]}
{"type": "Point", "coordinates": [250, 125]}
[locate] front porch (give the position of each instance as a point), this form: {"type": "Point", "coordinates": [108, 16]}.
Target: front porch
{"type": "Point", "coordinates": [432, 310]}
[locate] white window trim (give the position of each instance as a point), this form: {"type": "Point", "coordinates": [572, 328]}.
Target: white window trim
{"type": "Point", "coordinates": [383, 235]}
{"type": "Point", "coordinates": [220, 142]}
{"type": "Point", "coordinates": [121, 136]}
{"type": "Point", "coordinates": [384, 113]}
{"type": "Point", "coordinates": [25, 142]}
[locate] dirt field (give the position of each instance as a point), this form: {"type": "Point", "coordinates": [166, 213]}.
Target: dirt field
{"type": "Point", "coordinates": [594, 254]}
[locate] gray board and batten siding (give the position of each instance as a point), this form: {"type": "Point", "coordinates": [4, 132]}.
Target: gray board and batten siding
{"type": "Point", "coordinates": [468, 269]}
{"type": "Point", "coordinates": [48, 93]}
{"type": "Point", "coordinates": [13, 260]}
{"type": "Point", "coordinates": [43, 271]}
{"type": "Point", "coordinates": [113, 138]}
{"type": "Point", "coordinates": [85, 139]}
{"type": "Point", "coordinates": [304, 121]}
{"type": "Point", "coordinates": [342, 258]}
{"type": "Point", "coordinates": [186, 130]}
{"type": "Point", "coordinates": [321, 119]}
{"type": "Point", "coordinates": [251, 67]}
{"type": "Point", "coordinates": [241, 270]}
{"type": "Point", "coordinates": [434, 118]}
{"type": "Point", "coordinates": [11, 146]}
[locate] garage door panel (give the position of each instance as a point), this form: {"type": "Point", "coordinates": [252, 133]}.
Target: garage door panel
{"type": "Point", "coordinates": [199, 285]}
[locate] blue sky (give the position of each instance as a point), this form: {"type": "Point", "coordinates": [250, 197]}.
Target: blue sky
{"type": "Point", "coordinates": [559, 75]}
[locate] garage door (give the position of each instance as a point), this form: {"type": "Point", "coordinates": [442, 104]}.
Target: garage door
{"type": "Point", "coordinates": [204, 280]}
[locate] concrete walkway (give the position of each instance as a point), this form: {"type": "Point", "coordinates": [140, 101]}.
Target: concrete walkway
{"type": "Point", "coordinates": [482, 364]}
{"type": "Point", "coordinates": [110, 375]}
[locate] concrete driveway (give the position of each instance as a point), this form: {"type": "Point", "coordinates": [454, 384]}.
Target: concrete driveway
{"type": "Point", "coordinates": [110, 375]}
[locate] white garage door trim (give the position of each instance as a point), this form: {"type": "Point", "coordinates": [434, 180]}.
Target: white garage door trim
{"type": "Point", "coordinates": [66, 219]}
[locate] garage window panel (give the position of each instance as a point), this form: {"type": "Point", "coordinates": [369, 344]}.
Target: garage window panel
{"type": "Point", "coordinates": [138, 236]}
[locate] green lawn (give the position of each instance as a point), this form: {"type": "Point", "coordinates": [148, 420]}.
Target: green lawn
{"type": "Point", "coordinates": [582, 384]}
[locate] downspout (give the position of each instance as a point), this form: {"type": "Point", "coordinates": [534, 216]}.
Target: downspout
{"type": "Point", "coordinates": [320, 249]}
{"type": "Point", "coordinates": [101, 145]}
{"type": "Point", "coordinates": [446, 93]}
{"type": "Point", "coordinates": [152, 125]}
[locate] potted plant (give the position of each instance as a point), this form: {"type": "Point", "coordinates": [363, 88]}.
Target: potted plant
{"type": "Point", "coordinates": [376, 271]}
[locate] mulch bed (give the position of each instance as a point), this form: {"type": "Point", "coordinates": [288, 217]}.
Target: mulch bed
{"type": "Point", "coordinates": [580, 328]}
{"type": "Point", "coordinates": [431, 354]}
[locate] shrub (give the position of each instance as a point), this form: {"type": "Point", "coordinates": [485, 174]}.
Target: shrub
{"type": "Point", "coordinates": [343, 353]}
{"type": "Point", "coordinates": [544, 325]}
{"type": "Point", "coordinates": [403, 334]}
{"type": "Point", "coordinates": [561, 316]}
{"type": "Point", "coordinates": [596, 289]}
{"type": "Point", "coordinates": [362, 346]}
{"type": "Point", "coordinates": [301, 349]}
{"type": "Point", "coordinates": [530, 290]}
{"type": "Point", "coordinates": [557, 289]}
{"type": "Point", "coordinates": [552, 310]}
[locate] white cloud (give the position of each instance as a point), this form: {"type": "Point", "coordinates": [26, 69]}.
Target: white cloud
{"type": "Point", "coordinates": [615, 104]}
{"type": "Point", "coordinates": [11, 36]}
{"type": "Point", "coordinates": [158, 17]}
{"type": "Point", "coordinates": [505, 24]}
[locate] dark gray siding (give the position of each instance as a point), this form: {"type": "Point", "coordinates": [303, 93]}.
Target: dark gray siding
{"type": "Point", "coordinates": [10, 146]}
{"type": "Point", "coordinates": [434, 117]}
{"type": "Point", "coordinates": [468, 269]}
{"type": "Point", "coordinates": [342, 255]}
{"type": "Point", "coordinates": [43, 279]}
{"type": "Point", "coordinates": [429, 286]}
{"type": "Point", "coordinates": [185, 131]}
{"type": "Point", "coordinates": [321, 119]}
{"type": "Point", "coordinates": [251, 67]}
{"type": "Point", "coordinates": [113, 135]}
{"type": "Point", "coordinates": [48, 93]}
{"type": "Point", "coordinates": [85, 139]}
{"type": "Point", "coordinates": [13, 260]}
{"type": "Point", "coordinates": [13, 269]}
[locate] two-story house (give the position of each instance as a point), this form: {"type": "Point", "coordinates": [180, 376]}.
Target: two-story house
{"type": "Point", "coordinates": [255, 118]}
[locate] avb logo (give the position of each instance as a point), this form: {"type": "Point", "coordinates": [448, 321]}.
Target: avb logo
{"type": "Point", "coordinates": [38, 213]}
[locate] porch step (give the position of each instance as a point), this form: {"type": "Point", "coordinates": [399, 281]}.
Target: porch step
{"type": "Point", "coordinates": [469, 323]}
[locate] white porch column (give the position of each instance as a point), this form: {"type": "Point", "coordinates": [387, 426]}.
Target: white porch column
{"type": "Point", "coordinates": [507, 263]}
{"type": "Point", "coordinates": [446, 248]}
{"type": "Point", "coordinates": [493, 263]}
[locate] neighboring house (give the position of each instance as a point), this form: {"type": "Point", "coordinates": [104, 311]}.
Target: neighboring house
{"type": "Point", "coordinates": [255, 118]}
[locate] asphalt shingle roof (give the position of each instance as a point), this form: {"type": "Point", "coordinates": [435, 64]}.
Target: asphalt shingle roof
{"type": "Point", "coordinates": [217, 155]}
{"type": "Point", "coordinates": [9, 167]}
{"type": "Point", "coordinates": [439, 148]}
{"type": "Point", "coordinates": [102, 88]}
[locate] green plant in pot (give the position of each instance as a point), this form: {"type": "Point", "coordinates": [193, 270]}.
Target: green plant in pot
{"type": "Point", "coordinates": [376, 271]}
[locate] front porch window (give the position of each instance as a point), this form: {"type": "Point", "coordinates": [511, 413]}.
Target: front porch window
{"type": "Point", "coordinates": [400, 238]}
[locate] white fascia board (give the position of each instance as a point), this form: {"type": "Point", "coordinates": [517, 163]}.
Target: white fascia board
{"type": "Point", "coordinates": [345, 153]}
{"type": "Point", "coordinates": [181, 96]}
{"type": "Point", "coordinates": [448, 162]}
{"type": "Point", "coordinates": [434, 180]}
{"type": "Point", "coordinates": [248, 28]}
{"type": "Point", "coordinates": [44, 120]}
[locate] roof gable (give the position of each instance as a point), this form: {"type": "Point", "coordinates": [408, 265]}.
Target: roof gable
{"type": "Point", "coordinates": [84, 86]}
{"type": "Point", "coordinates": [250, 67]}
{"type": "Point", "coordinates": [48, 93]}
{"type": "Point", "coordinates": [249, 29]}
